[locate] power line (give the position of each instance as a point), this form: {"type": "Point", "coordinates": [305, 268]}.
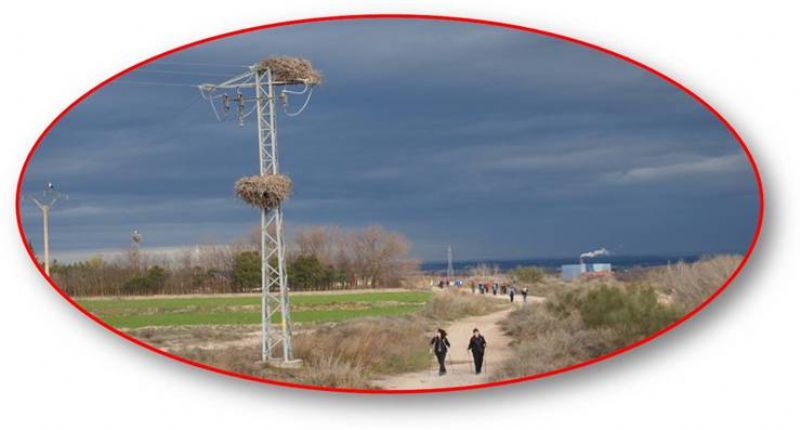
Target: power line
{"type": "Point", "coordinates": [170, 84]}
{"type": "Point", "coordinates": [179, 72]}
{"type": "Point", "coordinates": [183, 63]}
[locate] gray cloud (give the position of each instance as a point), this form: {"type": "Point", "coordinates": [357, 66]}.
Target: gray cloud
{"type": "Point", "coordinates": [502, 143]}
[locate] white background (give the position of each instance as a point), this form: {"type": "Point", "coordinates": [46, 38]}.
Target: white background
{"type": "Point", "coordinates": [735, 364]}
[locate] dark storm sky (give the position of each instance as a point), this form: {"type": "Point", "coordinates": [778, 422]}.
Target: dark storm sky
{"type": "Point", "coordinates": [503, 143]}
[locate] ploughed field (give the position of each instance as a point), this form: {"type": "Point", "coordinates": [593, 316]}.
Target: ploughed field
{"type": "Point", "coordinates": [135, 312]}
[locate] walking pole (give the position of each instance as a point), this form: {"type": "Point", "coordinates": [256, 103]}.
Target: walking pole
{"type": "Point", "coordinates": [471, 363]}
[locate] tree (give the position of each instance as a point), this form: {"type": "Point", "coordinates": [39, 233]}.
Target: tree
{"type": "Point", "coordinates": [319, 241]}
{"type": "Point", "coordinates": [379, 257]}
{"type": "Point", "coordinates": [307, 272]}
{"type": "Point", "coordinates": [247, 271]}
{"type": "Point", "coordinates": [150, 283]}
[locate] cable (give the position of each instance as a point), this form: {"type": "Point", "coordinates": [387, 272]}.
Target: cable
{"type": "Point", "coordinates": [177, 72]}
{"type": "Point", "coordinates": [302, 108]}
{"type": "Point", "coordinates": [182, 63]}
{"type": "Point", "coordinates": [169, 84]}
{"type": "Point", "coordinates": [210, 98]}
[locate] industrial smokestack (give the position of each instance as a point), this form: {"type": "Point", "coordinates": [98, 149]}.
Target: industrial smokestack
{"type": "Point", "coordinates": [592, 254]}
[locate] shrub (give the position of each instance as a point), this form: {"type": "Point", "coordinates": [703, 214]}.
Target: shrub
{"type": "Point", "coordinates": [450, 305]}
{"type": "Point", "coordinates": [368, 344]}
{"type": "Point", "coordinates": [632, 313]}
{"type": "Point", "coordinates": [691, 284]}
{"type": "Point", "coordinates": [527, 274]}
{"type": "Point", "coordinates": [330, 371]}
{"type": "Point", "coordinates": [581, 323]}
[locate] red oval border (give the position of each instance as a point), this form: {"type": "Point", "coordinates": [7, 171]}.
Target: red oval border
{"type": "Point", "coordinates": [692, 313]}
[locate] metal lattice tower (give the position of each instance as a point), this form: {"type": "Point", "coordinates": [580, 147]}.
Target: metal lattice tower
{"type": "Point", "coordinates": [450, 271]}
{"type": "Point", "coordinates": [274, 286]}
{"type": "Point", "coordinates": [45, 201]}
{"type": "Point", "coordinates": [135, 251]}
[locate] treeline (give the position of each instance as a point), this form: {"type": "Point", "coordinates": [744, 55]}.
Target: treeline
{"type": "Point", "coordinates": [321, 258]}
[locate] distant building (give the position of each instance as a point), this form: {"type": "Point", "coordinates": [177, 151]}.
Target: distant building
{"type": "Point", "coordinates": [572, 271]}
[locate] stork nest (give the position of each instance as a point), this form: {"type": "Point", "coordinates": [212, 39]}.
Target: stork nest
{"type": "Point", "coordinates": [292, 70]}
{"type": "Point", "coordinates": [265, 192]}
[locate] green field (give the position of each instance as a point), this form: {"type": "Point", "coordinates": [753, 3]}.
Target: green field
{"type": "Point", "coordinates": [312, 308]}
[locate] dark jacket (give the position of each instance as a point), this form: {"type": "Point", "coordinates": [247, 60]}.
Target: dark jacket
{"type": "Point", "coordinates": [477, 344]}
{"type": "Point", "coordinates": [440, 344]}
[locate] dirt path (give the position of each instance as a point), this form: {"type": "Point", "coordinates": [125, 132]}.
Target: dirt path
{"type": "Point", "coordinates": [459, 365]}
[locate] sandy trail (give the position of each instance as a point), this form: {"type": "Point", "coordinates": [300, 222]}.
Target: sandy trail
{"type": "Point", "coordinates": [459, 364]}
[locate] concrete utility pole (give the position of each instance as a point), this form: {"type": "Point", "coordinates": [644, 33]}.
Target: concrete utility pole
{"type": "Point", "coordinates": [45, 201]}
{"type": "Point", "coordinates": [259, 80]}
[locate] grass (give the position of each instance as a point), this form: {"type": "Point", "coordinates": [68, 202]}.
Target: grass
{"type": "Point", "coordinates": [316, 308]}
{"type": "Point", "coordinates": [354, 352]}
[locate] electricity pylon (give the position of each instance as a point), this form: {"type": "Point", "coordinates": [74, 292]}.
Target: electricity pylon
{"type": "Point", "coordinates": [450, 271]}
{"type": "Point", "coordinates": [273, 276]}
{"type": "Point", "coordinates": [45, 201]}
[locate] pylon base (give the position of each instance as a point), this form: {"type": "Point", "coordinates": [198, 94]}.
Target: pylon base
{"type": "Point", "coordinates": [289, 364]}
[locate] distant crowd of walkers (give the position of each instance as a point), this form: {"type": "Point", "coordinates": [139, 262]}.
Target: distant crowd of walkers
{"type": "Point", "coordinates": [486, 287]}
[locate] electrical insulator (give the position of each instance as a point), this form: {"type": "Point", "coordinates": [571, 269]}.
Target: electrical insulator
{"type": "Point", "coordinates": [240, 106]}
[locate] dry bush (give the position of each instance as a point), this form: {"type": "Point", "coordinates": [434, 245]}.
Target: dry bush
{"type": "Point", "coordinates": [450, 305]}
{"type": "Point", "coordinates": [556, 349]}
{"type": "Point", "coordinates": [689, 284]}
{"type": "Point", "coordinates": [544, 341]}
{"type": "Point", "coordinates": [527, 274]}
{"type": "Point", "coordinates": [484, 270]}
{"type": "Point", "coordinates": [550, 284]}
{"type": "Point", "coordinates": [321, 371]}
{"type": "Point", "coordinates": [332, 371]}
{"type": "Point", "coordinates": [369, 344]}
{"type": "Point", "coordinates": [245, 360]}
{"type": "Point", "coordinates": [580, 323]}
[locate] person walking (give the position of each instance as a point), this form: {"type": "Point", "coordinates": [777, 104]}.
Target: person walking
{"type": "Point", "coordinates": [494, 289]}
{"type": "Point", "coordinates": [477, 344]}
{"type": "Point", "coordinates": [524, 295]}
{"type": "Point", "coordinates": [440, 345]}
{"type": "Point", "coordinates": [511, 293]}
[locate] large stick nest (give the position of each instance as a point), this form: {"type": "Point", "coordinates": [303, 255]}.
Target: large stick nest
{"type": "Point", "coordinates": [265, 192]}
{"type": "Point", "coordinates": [292, 70]}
